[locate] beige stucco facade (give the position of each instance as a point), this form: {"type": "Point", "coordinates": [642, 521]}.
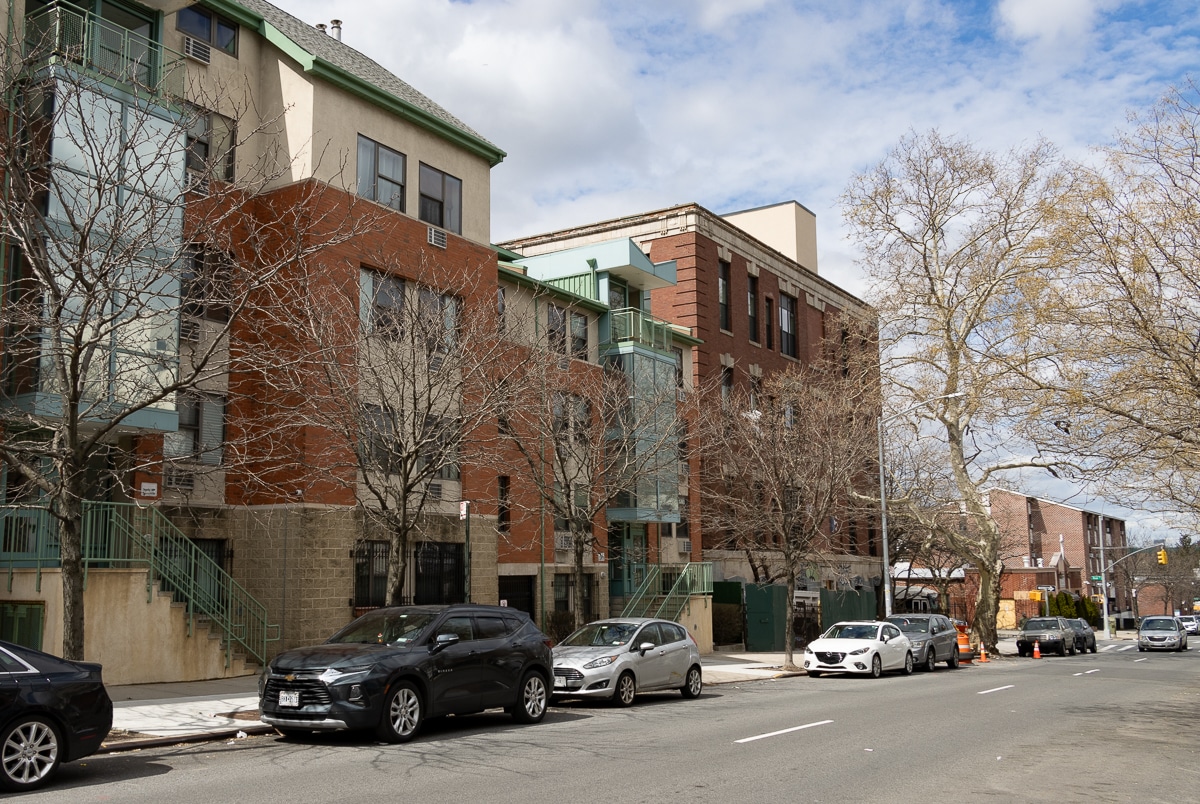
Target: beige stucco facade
{"type": "Point", "coordinates": [789, 228]}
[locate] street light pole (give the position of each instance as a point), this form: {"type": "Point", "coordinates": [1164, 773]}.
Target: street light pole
{"type": "Point", "coordinates": [887, 565]}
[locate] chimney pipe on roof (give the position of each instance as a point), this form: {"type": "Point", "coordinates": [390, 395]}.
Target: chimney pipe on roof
{"type": "Point", "coordinates": [320, 26]}
{"type": "Point", "coordinates": [336, 27]}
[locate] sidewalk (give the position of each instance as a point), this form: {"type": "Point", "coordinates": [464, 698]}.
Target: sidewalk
{"type": "Point", "coordinates": [147, 715]}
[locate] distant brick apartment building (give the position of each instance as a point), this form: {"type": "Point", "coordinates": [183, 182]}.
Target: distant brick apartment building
{"type": "Point", "coordinates": [747, 288]}
{"type": "Point", "coordinates": [1049, 546]}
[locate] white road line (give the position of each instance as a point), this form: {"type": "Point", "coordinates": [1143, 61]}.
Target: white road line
{"type": "Point", "coordinates": [784, 731]}
{"type": "Point", "coordinates": [1089, 672]}
{"type": "Point", "coordinates": [1135, 661]}
{"type": "Point", "coordinates": [997, 689]}
{"type": "Point", "coordinates": [1108, 647]}
{"type": "Point", "coordinates": [1126, 647]}
{"type": "Point", "coordinates": [1078, 674]}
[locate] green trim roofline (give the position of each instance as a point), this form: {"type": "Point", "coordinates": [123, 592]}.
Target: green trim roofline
{"type": "Point", "coordinates": [520, 278]}
{"type": "Point", "coordinates": [319, 68]}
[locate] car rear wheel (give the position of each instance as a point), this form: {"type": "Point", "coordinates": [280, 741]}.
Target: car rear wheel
{"type": "Point", "coordinates": [693, 683]}
{"type": "Point", "coordinates": [401, 714]}
{"type": "Point", "coordinates": [877, 666]}
{"type": "Point", "coordinates": [626, 690]}
{"type": "Point", "coordinates": [930, 659]}
{"type": "Point", "coordinates": [908, 664]}
{"type": "Point", "coordinates": [531, 707]}
{"type": "Point", "coordinates": [29, 753]}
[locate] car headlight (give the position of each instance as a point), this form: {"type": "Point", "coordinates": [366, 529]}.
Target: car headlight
{"type": "Point", "coordinates": [603, 661]}
{"type": "Point", "coordinates": [808, 651]}
{"type": "Point", "coordinates": [859, 652]}
{"type": "Point", "coordinates": [339, 675]}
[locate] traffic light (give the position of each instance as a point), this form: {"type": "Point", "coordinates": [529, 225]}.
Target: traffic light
{"type": "Point", "coordinates": [1162, 555]}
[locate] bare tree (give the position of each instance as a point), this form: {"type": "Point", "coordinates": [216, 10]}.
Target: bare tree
{"type": "Point", "coordinates": [783, 459]}
{"type": "Point", "coordinates": [1126, 386]}
{"type": "Point", "coordinates": [954, 240]}
{"type": "Point", "coordinates": [108, 198]}
{"type": "Point", "coordinates": [399, 367]}
{"type": "Point", "coordinates": [590, 438]}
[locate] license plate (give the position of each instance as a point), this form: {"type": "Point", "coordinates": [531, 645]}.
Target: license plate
{"type": "Point", "coordinates": [289, 698]}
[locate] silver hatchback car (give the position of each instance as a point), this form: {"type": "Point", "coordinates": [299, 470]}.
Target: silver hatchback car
{"type": "Point", "coordinates": [616, 659]}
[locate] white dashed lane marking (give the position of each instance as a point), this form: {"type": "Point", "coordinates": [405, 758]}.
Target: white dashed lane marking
{"type": "Point", "coordinates": [782, 731]}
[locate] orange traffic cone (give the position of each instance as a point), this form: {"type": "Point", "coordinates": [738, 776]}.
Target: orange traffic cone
{"type": "Point", "coordinates": [983, 659]}
{"type": "Point", "coordinates": [1037, 651]}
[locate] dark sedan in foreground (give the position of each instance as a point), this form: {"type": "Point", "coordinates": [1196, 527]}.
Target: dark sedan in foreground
{"type": "Point", "coordinates": [51, 711]}
{"type": "Point", "coordinates": [392, 668]}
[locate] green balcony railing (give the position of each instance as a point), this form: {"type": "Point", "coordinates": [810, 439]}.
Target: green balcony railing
{"type": "Point", "coordinates": [633, 325]}
{"type": "Point", "coordinates": [61, 33]}
{"type": "Point", "coordinates": [124, 536]}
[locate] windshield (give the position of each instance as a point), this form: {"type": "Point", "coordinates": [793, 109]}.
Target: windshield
{"type": "Point", "coordinates": [852, 631]}
{"type": "Point", "coordinates": [910, 626]}
{"type": "Point", "coordinates": [1042, 625]}
{"type": "Point", "coordinates": [1160, 624]}
{"type": "Point", "coordinates": [594, 635]}
{"type": "Point", "coordinates": [385, 627]}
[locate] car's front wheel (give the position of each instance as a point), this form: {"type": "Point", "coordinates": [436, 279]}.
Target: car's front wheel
{"type": "Point", "coordinates": [877, 666]}
{"type": "Point", "coordinates": [402, 714]}
{"type": "Point", "coordinates": [531, 707]}
{"type": "Point", "coordinates": [952, 662]}
{"type": "Point", "coordinates": [930, 659]}
{"type": "Point", "coordinates": [908, 664]}
{"type": "Point", "coordinates": [626, 690]}
{"type": "Point", "coordinates": [29, 753]}
{"type": "Point", "coordinates": [693, 683]}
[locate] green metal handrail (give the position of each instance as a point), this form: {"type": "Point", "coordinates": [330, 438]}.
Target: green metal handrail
{"type": "Point", "coordinates": [696, 579]}
{"type": "Point", "coordinates": [635, 606]}
{"type": "Point", "coordinates": [125, 535]}
{"type": "Point", "coordinates": [61, 33]}
{"type": "Point", "coordinates": [632, 324]}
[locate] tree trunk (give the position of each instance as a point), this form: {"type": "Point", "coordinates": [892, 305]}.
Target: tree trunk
{"type": "Point", "coordinates": [987, 603]}
{"type": "Point", "coordinates": [397, 567]}
{"type": "Point", "coordinates": [71, 540]}
{"type": "Point", "coordinates": [789, 638]}
{"type": "Point", "coordinates": [577, 571]}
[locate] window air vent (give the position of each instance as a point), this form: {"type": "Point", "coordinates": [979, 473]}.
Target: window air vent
{"type": "Point", "coordinates": [685, 546]}
{"type": "Point", "coordinates": [435, 491]}
{"type": "Point", "coordinates": [179, 479]}
{"type": "Point", "coordinates": [189, 331]}
{"type": "Point", "coordinates": [436, 237]}
{"type": "Point", "coordinates": [196, 50]}
{"type": "Point", "coordinates": [563, 541]}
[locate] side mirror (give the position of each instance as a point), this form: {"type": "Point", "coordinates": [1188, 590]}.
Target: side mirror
{"type": "Point", "coordinates": [884, 639]}
{"type": "Point", "coordinates": [444, 641]}
{"type": "Point", "coordinates": [645, 646]}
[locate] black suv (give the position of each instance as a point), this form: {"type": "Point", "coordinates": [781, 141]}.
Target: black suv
{"type": "Point", "coordinates": [393, 667]}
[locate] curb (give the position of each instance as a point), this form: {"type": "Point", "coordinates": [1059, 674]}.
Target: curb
{"type": "Point", "coordinates": [181, 739]}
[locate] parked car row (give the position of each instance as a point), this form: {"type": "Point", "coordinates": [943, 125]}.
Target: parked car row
{"type": "Point", "coordinates": [1061, 635]}
{"type": "Point", "coordinates": [393, 668]}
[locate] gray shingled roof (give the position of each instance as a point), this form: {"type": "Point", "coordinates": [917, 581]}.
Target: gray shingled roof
{"type": "Point", "coordinates": [341, 55]}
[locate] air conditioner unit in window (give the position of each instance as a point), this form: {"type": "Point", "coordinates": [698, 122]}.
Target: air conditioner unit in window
{"type": "Point", "coordinates": [685, 546]}
{"type": "Point", "coordinates": [563, 541]}
{"type": "Point", "coordinates": [196, 50]}
{"type": "Point", "coordinates": [189, 330]}
{"type": "Point", "coordinates": [436, 237]}
{"type": "Point", "coordinates": [174, 478]}
{"type": "Point", "coordinates": [680, 395]}
{"type": "Point", "coordinates": [435, 491]}
{"type": "Point", "coordinates": [197, 183]}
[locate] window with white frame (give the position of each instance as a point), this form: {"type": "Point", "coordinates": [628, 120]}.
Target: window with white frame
{"type": "Point", "coordinates": [201, 433]}
{"type": "Point", "coordinates": [205, 286]}
{"type": "Point", "coordinates": [556, 328]}
{"type": "Point", "coordinates": [384, 313]}
{"type": "Point", "coordinates": [202, 24]}
{"type": "Point", "coordinates": [579, 336]}
{"type": "Point", "coordinates": [787, 325]}
{"type": "Point", "coordinates": [210, 141]}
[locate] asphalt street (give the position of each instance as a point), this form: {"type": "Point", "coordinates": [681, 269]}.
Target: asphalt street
{"type": "Point", "coordinates": [1115, 726]}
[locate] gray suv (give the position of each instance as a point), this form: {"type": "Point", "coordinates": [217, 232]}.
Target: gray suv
{"type": "Point", "coordinates": [933, 638]}
{"type": "Point", "coordinates": [1049, 634]}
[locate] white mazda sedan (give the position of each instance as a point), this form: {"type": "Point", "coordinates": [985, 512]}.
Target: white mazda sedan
{"type": "Point", "coordinates": [870, 648]}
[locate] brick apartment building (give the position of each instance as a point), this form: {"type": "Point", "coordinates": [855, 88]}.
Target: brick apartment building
{"type": "Point", "coordinates": [747, 288]}
{"type": "Point", "coordinates": [1049, 546]}
{"type": "Point", "coordinates": [239, 482]}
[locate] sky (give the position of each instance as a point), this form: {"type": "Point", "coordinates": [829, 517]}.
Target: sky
{"type": "Point", "coordinates": [608, 108]}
